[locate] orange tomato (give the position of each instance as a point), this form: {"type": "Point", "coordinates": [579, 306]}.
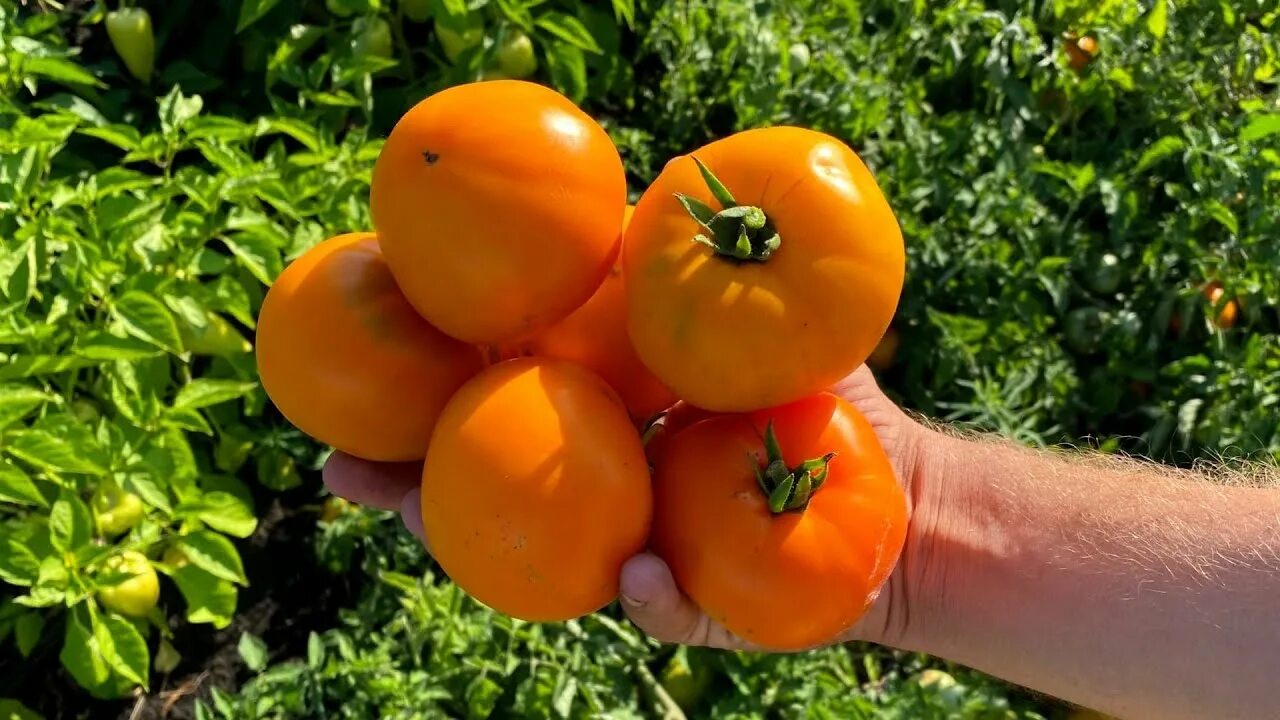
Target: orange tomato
{"type": "Point", "coordinates": [786, 569]}
{"type": "Point", "coordinates": [499, 207]}
{"type": "Point", "coordinates": [345, 358]}
{"type": "Point", "coordinates": [740, 318]}
{"type": "Point", "coordinates": [595, 336]}
{"type": "Point", "coordinates": [1080, 50]}
{"type": "Point", "coordinates": [535, 489]}
{"type": "Point", "coordinates": [1226, 316]}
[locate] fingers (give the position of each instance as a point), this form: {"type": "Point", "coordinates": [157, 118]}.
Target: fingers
{"type": "Point", "coordinates": [378, 485]}
{"type": "Point", "coordinates": [411, 514]}
{"type": "Point", "coordinates": [651, 599]}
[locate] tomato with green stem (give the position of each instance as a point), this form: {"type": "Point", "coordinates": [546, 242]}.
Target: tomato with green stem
{"type": "Point", "coordinates": [795, 507]}
{"type": "Point", "coordinates": [136, 595]}
{"type": "Point", "coordinates": [130, 32]}
{"type": "Point", "coordinates": [762, 268]}
{"type": "Point", "coordinates": [116, 510]}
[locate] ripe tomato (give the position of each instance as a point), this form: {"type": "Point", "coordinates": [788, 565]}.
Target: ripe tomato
{"type": "Point", "coordinates": [136, 596]}
{"type": "Point", "coordinates": [115, 509]}
{"type": "Point", "coordinates": [345, 358]}
{"type": "Point", "coordinates": [595, 336]}
{"type": "Point", "coordinates": [1079, 50]}
{"type": "Point", "coordinates": [786, 570]}
{"type": "Point", "coordinates": [738, 318]}
{"type": "Point", "coordinates": [1226, 316]}
{"type": "Point", "coordinates": [535, 489]}
{"type": "Point", "coordinates": [499, 207]}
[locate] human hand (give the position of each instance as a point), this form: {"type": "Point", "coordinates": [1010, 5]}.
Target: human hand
{"type": "Point", "coordinates": [649, 594]}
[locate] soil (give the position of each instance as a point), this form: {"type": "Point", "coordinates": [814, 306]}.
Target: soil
{"type": "Point", "coordinates": [289, 596]}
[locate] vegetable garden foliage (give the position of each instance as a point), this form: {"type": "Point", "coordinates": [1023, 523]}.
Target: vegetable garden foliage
{"type": "Point", "coordinates": [1065, 207]}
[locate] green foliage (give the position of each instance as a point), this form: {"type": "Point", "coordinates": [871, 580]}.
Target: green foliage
{"type": "Point", "coordinates": [1061, 224]}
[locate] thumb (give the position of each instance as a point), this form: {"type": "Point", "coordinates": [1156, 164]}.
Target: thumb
{"type": "Point", "coordinates": [649, 596]}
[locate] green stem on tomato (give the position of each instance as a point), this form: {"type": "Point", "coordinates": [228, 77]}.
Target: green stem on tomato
{"type": "Point", "coordinates": [738, 232]}
{"type": "Point", "coordinates": [788, 489]}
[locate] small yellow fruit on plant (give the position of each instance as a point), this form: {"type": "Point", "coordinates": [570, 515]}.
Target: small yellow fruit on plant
{"type": "Point", "coordinates": [136, 596]}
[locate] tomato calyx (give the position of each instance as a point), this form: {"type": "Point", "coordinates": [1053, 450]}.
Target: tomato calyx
{"type": "Point", "coordinates": [788, 489]}
{"type": "Point", "coordinates": [737, 232]}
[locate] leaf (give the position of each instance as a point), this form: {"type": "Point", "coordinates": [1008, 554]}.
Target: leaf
{"type": "Point", "coordinates": [224, 512]}
{"type": "Point", "coordinates": [18, 400]}
{"type": "Point", "coordinates": [124, 649]}
{"type": "Point", "coordinates": [21, 366]}
{"type": "Point", "coordinates": [1158, 150]}
{"type": "Point", "coordinates": [625, 11]}
{"type": "Point", "coordinates": [147, 318]}
{"type": "Point", "coordinates": [18, 488]}
{"type": "Point", "coordinates": [18, 562]}
{"type": "Point", "coordinates": [125, 137]}
{"type": "Point", "coordinates": [146, 487]}
{"type": "Point", "coordinates": [1223, 215]}
{"type": "Point", "coordinates": [50, 452]}
{"type": "Point", "coordinates": [568, 69]}
{"type": "Point", "coordinates": [209, 599]}
{"type": "Point", "coordinates": [253, 650]}
{"type": "Point", "coordinates": [251, 11]}
{"type": "Point", "coordinates": [176, 109]}
{"type": "Point", "coordinates": [70, 524]}
{"type": "Point", "coordinates": [257, 254]}
{"type": "Point", "coordinates": [61, 71]}
{"type": "Point", "coordinates": [26, 631]}
{"type": "Point", "coordinates": [214, 553]}
{"type": "Point", "coordinates": [105, 345]}
{"type": "Point", "coordinates": [569, 29]}
{"type": "Point", "coordinates": [80, 654]}
{"type": "Point", "coordinates": [1158, 18]}
{"type": "Point", "coordinates": [1262, 125]}
{"type": "Point", "coordinates": [204, 392]}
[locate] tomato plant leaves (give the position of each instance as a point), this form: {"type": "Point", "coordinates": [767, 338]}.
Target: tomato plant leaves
{"type": "Point", "coordinates": [124, 649]}
{"type": "Point", "coordinates": [569, 29]}
{"type": "Point", "coordinates": [50, 452]}
{"type": "Point", "coordinates": [1260, 126]}
{"type": "Point", "coordinates": [81, 653]}
{"type": "Point", "coordinates": [251, 11]}
{"type": "Point", "coordinates": [257, 254]}
{"type": "Point", "coordinates": [148, 319]}
{"type": "Point", "coordinates": [1158, 150]}
{"type": "Point", "coordinates": [26, 630]}
{"type": "Point", "coordinates": [18, 400]}
{"type": "Point", "coordinates": [568, 69]}
{"type": "Point", "coordinates": [214, 554]}
{"type": "Point", "coordinates": [70, 524]}
{"type": "Point", "coordinates": [19, 564]}
{"type": "Point", "coordinates": [209, 598]}
{"type": "Point", "coordinates": [204, 392]}
{"type": "Point", "coordinates": [18, 488]}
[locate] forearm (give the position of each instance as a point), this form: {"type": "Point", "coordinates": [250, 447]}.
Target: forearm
{"type": "Point", "coordinates": [1140, 593]}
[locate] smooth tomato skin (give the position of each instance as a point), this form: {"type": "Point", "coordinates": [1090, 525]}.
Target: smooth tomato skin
{"type": "Point", "coordinates": [790, 581]}
{"type": "Point", "coordinates": [499, 207]}
{"type": "Point", "coordinates": [535, 490]}
{"type": "Point", "coordinates": [136, 596]}
{"type": "Point", "coordinates": [736, 336]}
{"type": "Point", "coordinates": [595, 336]}
{"type": "Point", "coordinates": [346, 359]}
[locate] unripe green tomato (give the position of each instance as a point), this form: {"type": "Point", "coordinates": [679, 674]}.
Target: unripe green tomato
{"type": "Point", "coordinates": [116, 510]}
{"type": "Point", "coordinates": [685, 681]}
{"type": "Point", "coordinates": [1105, 278]}
{"type": "Point", "coordinates": [133, 39]}
{"type": "Point", "coordinates": [454, 43]}
{"type": "Point", "coordinates": [800, 57]}
{"type": "Point", "coordinates": [515, 57]}
{"type": "Point", "coordinates": [416, 10]}
{"type": "Point", "coordinates": [86, 411]}
{"type": "Point", "coordinates": [136, 596]}
{"type": "Point", "coordinates": [373, 37]}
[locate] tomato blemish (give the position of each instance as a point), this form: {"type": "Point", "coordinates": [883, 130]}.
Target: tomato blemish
{"type": "Point", "coordinates": [430, 157]}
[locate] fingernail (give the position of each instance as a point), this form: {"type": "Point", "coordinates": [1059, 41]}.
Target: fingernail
{"type": "Point", "coordinates": [630, 601]}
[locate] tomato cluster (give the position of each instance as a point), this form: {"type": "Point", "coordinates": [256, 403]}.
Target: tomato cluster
{"type": "Point", "coordinates": [514, 324]}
